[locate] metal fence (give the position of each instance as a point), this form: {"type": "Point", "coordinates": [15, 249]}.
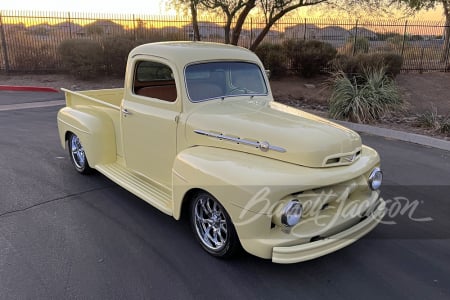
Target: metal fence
{"type": "Point", "coordinates": [30, 40]}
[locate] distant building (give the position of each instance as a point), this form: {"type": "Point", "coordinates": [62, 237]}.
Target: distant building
{"type": "Point", "coordinates": [207, 30]}
{"type": "Point", "coordinates": [333, 33]}
{"type": "Point", "coordinates": [68, 28]}
{"type": "Point", "coordinates": [302, 31]}
{"type": "Point", "coordinates": [101, 27]}
{"type": "Point", "coordinates": [364, 32]}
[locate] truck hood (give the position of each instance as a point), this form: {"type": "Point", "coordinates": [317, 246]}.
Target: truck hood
{"type": "Point", "coordinates": [273, 130]}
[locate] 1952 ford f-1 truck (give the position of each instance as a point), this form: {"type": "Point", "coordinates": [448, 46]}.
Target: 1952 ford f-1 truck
{"type": "Point", "coordinates": [195, 132]}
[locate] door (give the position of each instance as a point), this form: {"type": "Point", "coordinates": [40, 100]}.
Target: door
{"type": "Point", "coordinates": [149, 116]}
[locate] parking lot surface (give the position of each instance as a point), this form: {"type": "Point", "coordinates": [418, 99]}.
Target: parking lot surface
{"type": "Point", "coordinates": [65, 236]}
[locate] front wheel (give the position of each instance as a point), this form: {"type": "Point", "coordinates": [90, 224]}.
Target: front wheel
{"type": "Point", "coordinates": [212, 226]}
{"type": "Point", "coordinates": [77, 155]}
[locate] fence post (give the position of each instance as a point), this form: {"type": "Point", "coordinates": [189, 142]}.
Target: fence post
{"type": "Point", "coordinates": [354, 40]}
{"type": "Point", "coordinates": [404, 38]}
{"type": "Point", "coordinates": [304, 31]}
{"type": "Point", "coordinates": [134, 28]}
{"type": "Point", "coordinates": [251, 33]}
{"type": "Point", "coordinates": [70, 25]}
{"type": "Point", "coordinates": [4, 46]}
{"type": "Point", "coordinates": [446, 54]}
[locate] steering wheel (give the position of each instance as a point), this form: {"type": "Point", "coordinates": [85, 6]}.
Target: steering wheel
{"type": "Point", "coordinates": [237, 89]}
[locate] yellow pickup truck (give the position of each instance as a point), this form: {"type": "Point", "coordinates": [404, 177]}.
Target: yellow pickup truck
{"type": "Point", "coordinates": [195, 133]}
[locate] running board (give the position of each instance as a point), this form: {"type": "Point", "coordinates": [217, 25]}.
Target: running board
{"type": "Point", "coordinates": [150, 192]}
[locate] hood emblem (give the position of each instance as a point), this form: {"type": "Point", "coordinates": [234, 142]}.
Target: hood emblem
{"type": "Point", "coordinates": [263, 146]}
{"type": "Point", "coordinates": [350, 158]}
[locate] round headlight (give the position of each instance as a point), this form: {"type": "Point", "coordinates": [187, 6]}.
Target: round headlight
{"type": "Point", "coordinates": [292, 213]}
{"type": "Point", "coordinates": [375, 179]}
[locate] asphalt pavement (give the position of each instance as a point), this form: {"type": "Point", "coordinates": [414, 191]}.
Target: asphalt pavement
{"type": "Point", "coordinates": [68, 236]}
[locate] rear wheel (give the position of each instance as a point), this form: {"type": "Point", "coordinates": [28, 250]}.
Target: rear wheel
{"type": "Point", "coordinates": [77, 155]}
{"type": "Point", "coordinates": [212, 226]}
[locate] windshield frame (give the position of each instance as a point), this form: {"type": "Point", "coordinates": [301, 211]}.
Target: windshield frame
{"type": "Point", "coordinates": [262, 74]}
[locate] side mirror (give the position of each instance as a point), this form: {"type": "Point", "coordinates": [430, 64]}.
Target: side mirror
{"type": "Point", "coordinates": [268, 74]}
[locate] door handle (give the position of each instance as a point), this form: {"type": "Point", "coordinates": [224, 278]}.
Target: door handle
{"type": "Point", "coordinates": [126, 112]}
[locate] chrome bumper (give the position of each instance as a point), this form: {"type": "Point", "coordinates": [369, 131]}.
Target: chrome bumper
{"type": "Point", "coordinates": [299, 253]}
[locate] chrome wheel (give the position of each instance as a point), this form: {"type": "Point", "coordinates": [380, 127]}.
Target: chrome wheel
{"type": "Point", "coordinates": [77, 155]}
{"type": "Point", "coordinates": [212, 226]}
{"type": "Point", "coordinates": [210, 223]}
{"type": "Point", "coordinates": [77, 152]}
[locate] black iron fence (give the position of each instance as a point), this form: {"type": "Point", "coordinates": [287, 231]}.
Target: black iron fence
{"type": "Point", "coordinates": [30, 40]}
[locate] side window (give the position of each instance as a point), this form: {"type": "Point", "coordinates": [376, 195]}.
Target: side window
{"type": "Point", "coordinates": [154, 80]}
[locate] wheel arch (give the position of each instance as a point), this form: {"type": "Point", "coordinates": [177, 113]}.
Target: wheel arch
{"type": "Point", "coordinates": [95, 130]}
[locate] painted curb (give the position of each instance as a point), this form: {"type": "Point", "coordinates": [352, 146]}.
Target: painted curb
{"type": "Point", "coordinates": [28, 88]}
{"type": "Point", "coordinates": [398, 135]}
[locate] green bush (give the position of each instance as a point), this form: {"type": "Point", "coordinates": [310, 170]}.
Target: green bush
{"type": "Point", "coordinates": [309, 58]}
{"type": "Point", "coordinates": [431, 119]}
{"type": "Point", "coordinates": [365, 99]}
{"type": "Point", "coordinates": [392, 61]}
{"type": "Point", "coordinates": [82, 58]}
{"type": "Point", "coordinates": [358, 46]}
{"type": "Point", "coordinates": [355, 65]}
{"type": "Point", "coordinates": [116, 50]}
{"type": "Point", "coordinates": [273, 58]}
{"type": "Point", "coordinates": [37, 57]}
{"type": "Point", "coordinates": [395, 42]}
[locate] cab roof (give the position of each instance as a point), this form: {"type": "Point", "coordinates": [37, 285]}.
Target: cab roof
{"type": "Point", "coordinates": [183, 53]}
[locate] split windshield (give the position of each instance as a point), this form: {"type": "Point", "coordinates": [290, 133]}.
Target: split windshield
{"type": "Point", "coordinates": [213, 80]}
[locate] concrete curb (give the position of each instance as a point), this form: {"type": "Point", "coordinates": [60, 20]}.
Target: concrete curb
{"type": "Point", "coordinates": [28, 105]}
{"type": "Point", "coordinates": [27, 88]}
{"type": "Point", "coordinates": [398, 135]}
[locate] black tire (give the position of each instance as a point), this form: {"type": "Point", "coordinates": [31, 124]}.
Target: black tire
{"type": "Point", "coordinates": [77, 155]}
{"type": "Point", "coordinates": [212, 226]}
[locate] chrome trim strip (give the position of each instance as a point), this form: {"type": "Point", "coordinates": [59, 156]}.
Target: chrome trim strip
{"type": "Point", "coordinates": [263, 146]}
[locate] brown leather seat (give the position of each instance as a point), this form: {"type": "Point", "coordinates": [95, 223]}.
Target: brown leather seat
{"type": "Point", "coordinates": [164, 92]}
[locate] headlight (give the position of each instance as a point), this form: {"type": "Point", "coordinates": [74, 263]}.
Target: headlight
{"type": "Point", "coordinates": [375, 179]}
{"type": "Point", "coordinates": [292, 213]}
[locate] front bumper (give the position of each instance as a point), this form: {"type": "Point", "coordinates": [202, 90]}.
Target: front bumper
{"type": "Point", "coordinates": [311, 250]}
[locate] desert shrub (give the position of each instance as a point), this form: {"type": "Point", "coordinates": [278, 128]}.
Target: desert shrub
{"type": "Point", "coordinates": [116, 51]}
{"type": "Point", "coordinates": [431, 119]}
{"type": "Point", "coordinates": [445, 126]}
{"type": "Point", "coordinates": [82, 58]}
{"type": "Point", "coordinates": [365, 99]}
{"type": "Point", "coordinates": [355, 65]}
{"type": "Point", "coordinates": [38, 57]}
{"type": "Point", "coordinates": [392, 61]}
{"type": "Point", "coordinates": [358, 46]}
{"type": "Point", "coordinates": [395, 42]}
{"type": "Point", "coordinates": [273, 58]}
{"type": "Point", "coordinates": [309, 58]}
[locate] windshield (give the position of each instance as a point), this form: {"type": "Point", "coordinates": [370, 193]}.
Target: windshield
{"type": "Point", "coordinates": [212, 80]}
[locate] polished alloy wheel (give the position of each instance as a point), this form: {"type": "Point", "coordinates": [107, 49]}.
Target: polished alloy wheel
{"type": "Point", "coordinates": [210, 223]}
{"type": "Point", "coordinates": [77, 152]}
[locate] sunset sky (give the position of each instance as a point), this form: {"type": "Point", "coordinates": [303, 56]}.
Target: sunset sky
{"type": "Point", "coordinates": [148, 7]}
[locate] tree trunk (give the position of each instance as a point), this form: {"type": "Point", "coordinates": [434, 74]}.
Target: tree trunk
{"type": "Point", "coordinates": [446, 48]}
{"type": "Point", "coordinates": [227, 29]}
{"type": "Point", "coordinates": [240, 21]}
{"type": "Point", "coordinates": [195, 21]}
{"type": "Point", "coordinates": [261, 36]}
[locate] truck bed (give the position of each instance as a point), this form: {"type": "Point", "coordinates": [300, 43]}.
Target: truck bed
{"type": "Point", "coordinates": [108, 97]}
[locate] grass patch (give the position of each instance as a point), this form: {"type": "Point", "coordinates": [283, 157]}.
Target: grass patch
{"type": "Point", "coordinates": [364, 98]}
{"type": "Point", "coordinates": [432, 120]}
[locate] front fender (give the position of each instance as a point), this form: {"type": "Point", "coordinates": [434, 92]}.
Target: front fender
{"type": "Point", "coordinates": [251, 187]}
{"type": "Point", "coordinates": [235, 178]}
{"type": "Point", "coordinates": [95, 129]}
